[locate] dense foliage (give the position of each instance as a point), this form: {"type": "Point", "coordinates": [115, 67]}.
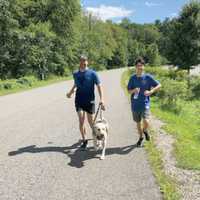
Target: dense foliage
{"type": "Point", "coordinates": [44, 37]}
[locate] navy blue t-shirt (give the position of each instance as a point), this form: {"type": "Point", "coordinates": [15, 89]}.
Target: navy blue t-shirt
{"type": "Point", "coordinates": [85, 83]}
{"type": "Point", "coordinates": [144, 82]}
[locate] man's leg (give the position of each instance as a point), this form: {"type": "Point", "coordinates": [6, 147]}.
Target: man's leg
{"type": "Point", "coordinates": [90, 118]}
{"type": "Point", "coordinates": [81, 116]}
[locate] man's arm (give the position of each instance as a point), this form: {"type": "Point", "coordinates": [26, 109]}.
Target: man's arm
{"type": "Point", "coordinates": [100, 91]}
{"type": "Point", "coordinates": [154, 89]}
{"type": "Point", "coordinates": [69, 94]}
{"type": "Point", "coordinates": [133, 91]}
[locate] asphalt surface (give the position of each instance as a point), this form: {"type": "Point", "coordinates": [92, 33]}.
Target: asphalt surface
{"type": "Point", "coordinates": [40, 158]}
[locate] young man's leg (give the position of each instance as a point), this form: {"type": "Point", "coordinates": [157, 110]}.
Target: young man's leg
{"type": "Point", "coordinates": [146, 124]}
{"type": "Point", "coordinates": [140, 131]}
{"type": "Point", "coordinates": [137, 117]}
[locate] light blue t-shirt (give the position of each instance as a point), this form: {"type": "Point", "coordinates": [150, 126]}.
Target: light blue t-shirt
{"type": "Point", "coordinates": [85, 82]}
{"type": "Point", "coordinates": [144, 82]}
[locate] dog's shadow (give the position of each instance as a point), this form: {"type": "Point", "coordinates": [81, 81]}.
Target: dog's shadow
{"type": "Point", "coordinates": [76, 155]}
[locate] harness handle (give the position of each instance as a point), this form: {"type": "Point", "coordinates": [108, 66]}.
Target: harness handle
{"type": "Point", "coordinates": [99, 109]}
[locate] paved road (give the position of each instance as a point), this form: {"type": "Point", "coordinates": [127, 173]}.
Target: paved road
{"type": "Point", "coordinates": [40, 160]}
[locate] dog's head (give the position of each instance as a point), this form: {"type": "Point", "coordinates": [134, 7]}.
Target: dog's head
{"type": "Point", "coordinates": [100, 129]}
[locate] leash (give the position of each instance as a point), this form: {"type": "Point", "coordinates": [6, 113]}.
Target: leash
{"type": "Point", "coordinates": [99, 109]}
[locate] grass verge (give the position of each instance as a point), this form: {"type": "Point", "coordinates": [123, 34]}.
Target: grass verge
{"type": "Point", "coordinates": [185, 127]}
{"type": "Point", "coordinates": [23, 87]}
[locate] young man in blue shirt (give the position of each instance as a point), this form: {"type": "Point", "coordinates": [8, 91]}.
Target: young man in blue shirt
{"type": "Point", "coordinates": [85, 80]}
{"type": "Point", "coordinates": [141, 86]}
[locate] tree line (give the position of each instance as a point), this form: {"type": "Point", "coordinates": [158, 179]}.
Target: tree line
{"type": "Point", "coordinates": [43, 37]}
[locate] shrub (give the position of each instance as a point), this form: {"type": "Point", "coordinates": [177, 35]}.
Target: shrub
{"type": "Point", "coordinates": [157, 71]}
{"type": "Point", "coordinates": [170, 92]}
{"type": "Point", "coordinates": [7, 85]}
{"type": "Point", "coordinates": [195, 88]}
{"type": "Point", "coordinates": [23, 81]}
{"type": "Point", "coordinates": [180, 75]}
{"type": "Point", "coordinates": [26, 81]}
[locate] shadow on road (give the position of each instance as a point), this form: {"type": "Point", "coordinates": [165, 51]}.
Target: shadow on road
{"type": "Point", "coordinates": [77, 157]}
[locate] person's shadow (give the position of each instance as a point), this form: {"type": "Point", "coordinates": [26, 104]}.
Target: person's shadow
{"type": "Point", "coordinates": [77, 156]}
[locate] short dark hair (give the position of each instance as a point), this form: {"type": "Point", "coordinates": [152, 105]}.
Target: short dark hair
{"type": "Point", "coordinates": [139, 60]}
{"type": "Point", "coordinates": [83, 57]}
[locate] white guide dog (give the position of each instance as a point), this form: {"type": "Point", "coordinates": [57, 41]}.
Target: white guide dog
{"type": "Point", "coordinates": [100, 136]}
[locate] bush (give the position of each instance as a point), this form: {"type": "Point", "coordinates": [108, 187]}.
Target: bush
{"type": "Point", "coordinates": [170, 92]}
{"type": "Point", "coordinates": [157, 71]}
{"type": "Point", "coordinates": [26, 81]}
{"type": "Point", "coordinates": [22, 82]}
{"type": "Point", "coordinates": [7, 85]}
{"type": "Point", "coordinates": [67, 71]}
{"type": "Point", "coordinates": [180, 75]}
{"type": "Point", "coordinates": [195, 88]}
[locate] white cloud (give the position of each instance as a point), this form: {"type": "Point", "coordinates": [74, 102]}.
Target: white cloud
{"type": "Point", "coordinates": [151, 4]}
{"type": "Point", "coordinates": [118, 21]}
{"type": "Point", "coordinates": [172, 15]}
{"type": "Point", "coordinates": [108, 12]}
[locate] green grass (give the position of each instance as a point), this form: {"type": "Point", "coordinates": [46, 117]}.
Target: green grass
{"type": "Point", "coordinates": [23, 87]}
{"type": "Point", "coordinates": [185, 126]}
{"type": "Point", "coordinates": [167, 185]}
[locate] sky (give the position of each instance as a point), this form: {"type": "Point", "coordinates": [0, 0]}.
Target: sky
{"type": "Point", "coordinates": [138, 11]}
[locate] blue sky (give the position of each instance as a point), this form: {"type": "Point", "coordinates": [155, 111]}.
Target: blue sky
{"type": "Point", "coordinates": [138, 11]}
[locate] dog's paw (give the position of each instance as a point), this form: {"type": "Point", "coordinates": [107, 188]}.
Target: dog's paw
{"type": "Point", "coordinates": [102, 157]}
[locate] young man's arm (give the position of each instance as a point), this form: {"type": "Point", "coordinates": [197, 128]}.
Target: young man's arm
{"type": "Point", "coordinates": [69, 94]}
{"type": "Point", "coordinates": [100, 91]}
{"type": "Point", "coordinates": [131, 87]}
{"type": "Point", "coordinates": [154, 89]}
{"type": "Point", "coordinates": [133, 91]}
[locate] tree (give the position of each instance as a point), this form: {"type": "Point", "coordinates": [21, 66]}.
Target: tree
{"type": "Point", "coordinates": [152, 54]}
{"type": "Point", "coordinates": [184, 48]}
{"type": "Point", "coordinates": [8, 33]}
{"type": "Point", "coordinates": [120, 57]}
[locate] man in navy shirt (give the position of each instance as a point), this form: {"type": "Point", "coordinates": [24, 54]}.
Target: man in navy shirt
{"type": "Point", "coordinates": [85, 80]}
{"type": "Point", "coordinates": [141, 86]}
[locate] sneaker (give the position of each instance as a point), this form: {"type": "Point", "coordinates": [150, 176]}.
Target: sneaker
{"type": "Point", "coordinates": [139, 142]}
{"type": "Point", "coordinates": [84, 145]}
{"type": "Point", "coordinates": [147, 136]}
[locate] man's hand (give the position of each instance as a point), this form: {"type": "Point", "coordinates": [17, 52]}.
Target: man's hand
{"type": "Point", "coordinates": [148, 93]}
{"type": "Point", "coordinates": [68, 95]}
{"type": "Point", "coordinates": [102, 105]}
{"type": "Point", "coordinates": [134, 91]}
